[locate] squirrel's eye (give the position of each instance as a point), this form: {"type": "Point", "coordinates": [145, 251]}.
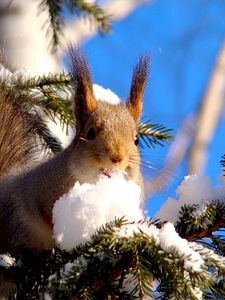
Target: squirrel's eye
{"type": "Point", "coordinates": [136, 140]}
{"type": "Point", "coordinates": [91, 134]}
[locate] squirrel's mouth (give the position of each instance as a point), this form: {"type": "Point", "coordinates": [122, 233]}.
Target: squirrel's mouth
{"type": "Point", "coordinates": [106, 172]}
{"type": "Point", "coordinates": [109, 172]}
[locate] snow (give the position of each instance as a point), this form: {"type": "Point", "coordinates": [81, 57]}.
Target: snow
{"type": "Point", "coordinates": [78, 214]}
{"type": "Point", "coordinates": [10, 77]}
{"type": "Point", "coordinates": [86, 207]}
{"type": "Point", "coordinates": [197, 292]}
{"type": "Point", "coordinates": [6, 261]}
{"type": "Point", "coordinates": [169, 241]}
{"type": "Point", "coordinates": [100, 92]}
{"type": "Point", "coordinates": [194, 190]}
{"type": "Point", "coordinates": [4, 73]}
{"type": "Point", "coordinates": [152, 232]}
{"type": "Point", "coordinates": [106, 95]}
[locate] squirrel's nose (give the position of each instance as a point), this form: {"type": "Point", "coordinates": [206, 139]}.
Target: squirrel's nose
{"type": "Point", "coordinates": [116, 160]}
{"type": "Point", "coordinates": [117, 157]}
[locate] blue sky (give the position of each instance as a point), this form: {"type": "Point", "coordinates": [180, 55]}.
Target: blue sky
{"type": "Point", "coordinates": [183, 38]}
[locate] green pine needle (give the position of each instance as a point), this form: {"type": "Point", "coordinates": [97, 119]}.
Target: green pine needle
{"type": "Point", "coordinates": [93, 10]}
{"type": "Point", "coordinates": [49, 142]}
{"type": "Point", "coordinates": [52, 93]}
{"type": "Point", "coordinates": [192, 225]}
{"type": "Point", "coordinates": [100, 268]}
{"type": "Point", "coordinates": [54, 22]}
{"type": "Point", "coordinates": [57, 12]}
{"type": "Point", "coordinates": [153, 134]}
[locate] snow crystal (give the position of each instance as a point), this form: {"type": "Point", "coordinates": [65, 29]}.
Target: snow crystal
{"type": "Point", "coordinates": [169, 210]}
{"type": "Point", "coordinates": [130, 229]}
{"type": "Point", "coordinates": [47, 296]}
{"type": "Point", "coordinates": [6, 261]}
{"type": "Point", "coordinates": [9, 76]}
{"type": "Point", "coordinates": [106, 95]}
{"type": "Point", "coordinates": [194, 190]}
{"type": "Point", "coordinates": [129, 284]}
{"type": "Point", "coordinates": [170, 241]}
{"type": "Point", "coordinates": [86, 207]}
{"type": "Point", "coordinates": [197, 292]}
{"type": "Point", "coordinates": [68, 267]}
{"type": "Point", "coordinates": [5, 74]}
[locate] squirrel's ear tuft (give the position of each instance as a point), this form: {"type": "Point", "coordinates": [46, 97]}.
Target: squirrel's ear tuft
{"type": "Point", "coordinates": [84, 99]}
{"type": "Point", "coordinates": [139, 80]}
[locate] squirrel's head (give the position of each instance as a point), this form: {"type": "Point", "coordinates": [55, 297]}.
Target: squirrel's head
{"type": "Point", "coordinates": [106, 134]}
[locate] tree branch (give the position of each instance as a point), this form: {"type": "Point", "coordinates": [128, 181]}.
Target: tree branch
{"type": "Point", "coordinates": [208, 116]}
{"type": "Point", "coordinates": [79, 30]}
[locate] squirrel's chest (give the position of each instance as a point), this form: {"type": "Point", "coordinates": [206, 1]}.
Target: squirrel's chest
{"type": "Point", "coordinates": [40, 233]}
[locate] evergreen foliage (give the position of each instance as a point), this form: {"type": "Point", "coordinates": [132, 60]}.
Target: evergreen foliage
{"type": "Point", "coordinates": [114, 265]}
{"type": "Point", "coordinates": [153, 134]}
{"type": "Point", "coordinates": [110, 266]}
{"type": "Point", "coordinates": [51, 97]}
{"type": "Point", "coordinates": [120, 267]}
{"type": "Point", "coordinates": [58, 9]}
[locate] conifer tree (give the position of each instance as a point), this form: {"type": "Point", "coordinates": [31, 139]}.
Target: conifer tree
{"type": "Point", "coordinates": [122, 260]}
{"type": "Point", "coordinates": [149, 259]}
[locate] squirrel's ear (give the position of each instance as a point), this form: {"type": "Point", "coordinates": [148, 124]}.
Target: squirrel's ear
{"type": "Point", "coordinates": [139, 80]}
{"type": "Point", "coordinates": [84, 99]}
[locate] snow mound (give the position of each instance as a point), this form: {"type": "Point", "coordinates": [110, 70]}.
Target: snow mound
{"type": "Point", "coordinates": [86, 207]}
{"type": "Point", "coordinates": [6, 261]}
{"type": "Point", "coordinates": [169, 241]}
{"type": "Point", "coordinates": [194, 190]}
{"type": "Point", "coordinates": [106, 95]}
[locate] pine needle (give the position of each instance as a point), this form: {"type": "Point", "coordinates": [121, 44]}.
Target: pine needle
{"type": "Point", "coordinates": [153, 134]}
{"type": "Point", "coordinates": [57, 11]}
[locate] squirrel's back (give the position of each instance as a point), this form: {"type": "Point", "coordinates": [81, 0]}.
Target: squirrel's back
{"type": "Point", "coordinates": [17, 130]}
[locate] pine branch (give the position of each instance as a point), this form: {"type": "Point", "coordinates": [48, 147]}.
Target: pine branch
{"type": "Point", "coordinates": [193, 225]}
{"type": "Point", "coordinates": [93, 270]}
{"type": "Point", "coordinates": [141, 274]}
{"type": "Point", "coordinates": [48, 141]}
{"type": "Point", "coordinates": [47, 91]}
{"type": "Point", "coordinates": [54, 23]}
{"type": "Point", "coordinates": [161, 265]}
{"type": "Point", "coordinates": [47, 96]}
{"type": "Point", "coordinates": [56, 10]}
{"type": "Point", "coordinates": [153, 134]}
{"type": "Point", "coordinates": [92, 10]}
{"type": "Point", "coordinates": [52, 94]}
{"type": "Point", "coordinates": [59, 80]}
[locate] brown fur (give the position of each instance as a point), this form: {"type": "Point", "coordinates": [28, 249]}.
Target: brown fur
{"type": "Point", "coordinates": [27, 199]}
{"type": "Point", "coordinates": [85, 102]}
{"type": "Point", "coordinates": [17, 130]}
{"type": "Point", "coordinates": [139, 80]}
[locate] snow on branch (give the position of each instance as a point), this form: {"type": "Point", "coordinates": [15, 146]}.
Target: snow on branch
{"type": "Point", "coordinates": [194, 190]}
{"type": "Point", "coordinates": [137, 253]}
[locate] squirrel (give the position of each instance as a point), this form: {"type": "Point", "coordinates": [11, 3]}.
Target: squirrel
{"type": "Point", "coordinates": [106, 138]}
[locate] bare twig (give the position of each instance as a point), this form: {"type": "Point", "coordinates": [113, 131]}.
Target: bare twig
{"type": "Point", "coordinates": [175, 156]}
{"type": "Point", "coordinates": [208, 115]}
